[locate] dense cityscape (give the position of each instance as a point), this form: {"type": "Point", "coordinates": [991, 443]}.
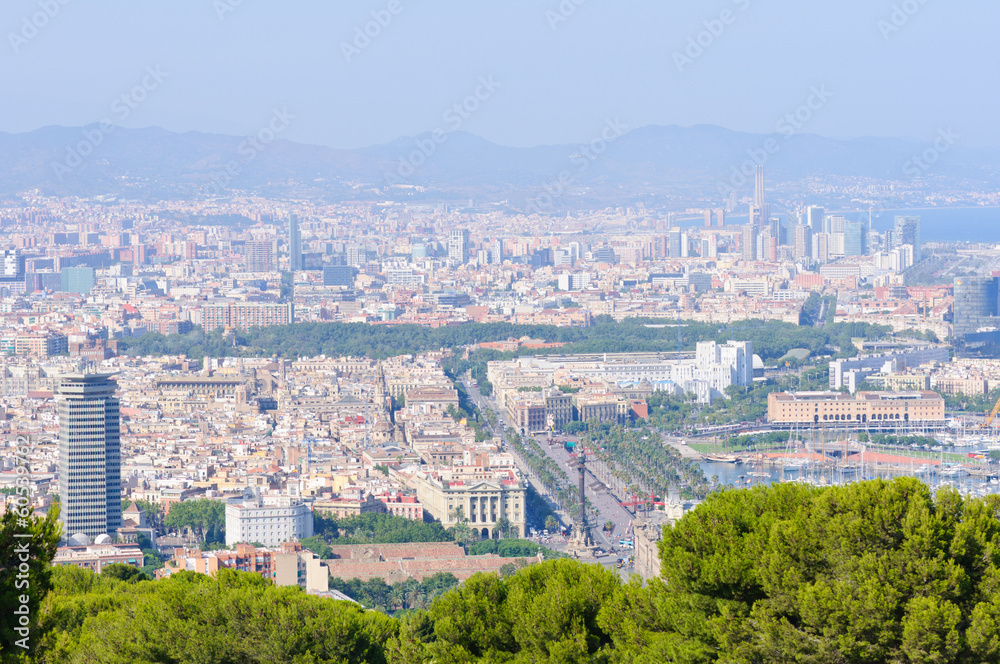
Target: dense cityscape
{"type": "Point", "coordinates": [499, 334]}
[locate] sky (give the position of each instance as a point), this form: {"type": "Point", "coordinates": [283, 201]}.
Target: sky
{"type": "Point", "coordinates": [521, 72]}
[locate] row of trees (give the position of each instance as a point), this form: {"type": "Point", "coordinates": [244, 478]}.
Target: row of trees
{"type": "Point", "coordinates": [555, 480]}
{"type": "Point", "coordinates": [375, 528]}
{"type": "Point", "coordinates": [866, 573]}
{"type": "Point", "coordinates": [205, 518]}
{"type": "Point", "coordinates": [641, 460]}
{"type": "Point", "coordinates": [771, 339]}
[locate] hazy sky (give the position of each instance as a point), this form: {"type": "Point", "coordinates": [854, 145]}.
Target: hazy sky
{"type": "Point", "coordinates": [561, 68]}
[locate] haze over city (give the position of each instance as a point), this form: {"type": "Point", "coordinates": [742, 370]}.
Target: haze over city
{"type": "Point", "coordinates": [562, 331]}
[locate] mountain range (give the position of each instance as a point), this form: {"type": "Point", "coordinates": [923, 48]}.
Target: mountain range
{"type": "Point", "coordinates": [654, 162]}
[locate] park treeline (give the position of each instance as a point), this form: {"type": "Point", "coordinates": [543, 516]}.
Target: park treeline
{"type": "Point", "coordinates": [870, 572]}
{"type": "Point", "coordinates": [771, 340]}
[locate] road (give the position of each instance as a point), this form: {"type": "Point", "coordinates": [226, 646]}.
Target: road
{"type": "Point", "coordinates": [606, 504]}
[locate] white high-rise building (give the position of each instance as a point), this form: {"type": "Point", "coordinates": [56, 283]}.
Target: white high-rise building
{"type": "Point", "coordinates": [458, 246]}
{"type": "Point", "coordinates": [90, 489]}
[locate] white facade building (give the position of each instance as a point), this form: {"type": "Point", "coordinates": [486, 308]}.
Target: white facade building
{"type": "Point", "coordinates": [713, 368]}
{"type": "Point", "coordinates": [269, 520]}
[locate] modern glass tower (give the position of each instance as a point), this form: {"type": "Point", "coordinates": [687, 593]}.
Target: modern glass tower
{"type": "Point", "coordinates": [89, 455]}
{"type": "Point", "coordinates": [977, 303]}
{"type": "Point", "coordinates": [907, 231]}
{"type": "Point", "coordinates": [294, 244]}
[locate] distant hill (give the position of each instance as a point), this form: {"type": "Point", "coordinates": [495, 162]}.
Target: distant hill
{"type": "Point", "coordinates": [154, 163]}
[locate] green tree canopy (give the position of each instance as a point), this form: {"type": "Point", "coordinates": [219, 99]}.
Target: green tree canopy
{"type": "Point", "coordinates": [871, 572]}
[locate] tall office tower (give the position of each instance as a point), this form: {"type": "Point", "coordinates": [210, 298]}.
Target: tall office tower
{"type": "Point", "coordinates": [767, 245]}
{"type": "Point", "coordinates": [294, 244]}
{"type": "Point", "coordinates": [761, 211]}
{"type": "Point", "coordinates": [496, 254]}
{"type": "Point", "coordinates": [777, 230]}
{"type": "Point", "coordinates": [977, 303]}
{"type": "Point", "coordinates": [713, 246]}
{"type": "Point", "coordinates": [720, 216]}
{"type": "Point", "coordinates": [854, 235]}
{"type": "Point", "coordinates": [708, 218]}
{"type": "Point", "coordinates": [685, 245]}
{"type": "Point", "coordinates": [814, 218]}
{"type": "Point", "coordinates": [749, 242]}
{"type": "Point", "coordinates": [675, 242]}
{"type": "Point", "coordinates": [908, 232]}
{"type": "Point", "coordinates": [90, 487]}
{"type": "Point", "coordinates": [803, 241]}
{"type": "Point", "coordinates": [260, 256]}
{"type": "Point", "coordinates": [458, 245]}
{"type": "Point", "coordinates": [821, 247]}
{"type": "Point", "coordinates": [835, 224]}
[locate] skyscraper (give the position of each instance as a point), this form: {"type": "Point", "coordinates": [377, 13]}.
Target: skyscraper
{"type": "Point", "coordinates": [674, 242]}
{"type": "Point", "coordinates": [977, 303]}
{"type": "Point", "coordinates": [907, 231]}
{"type": "Point", "coordinates": [803, 241]}
{"type": "Point", "coordinates": [814, 218]}
{"type": "Point", "coordinates": [458, 245]}
{"type": "Point", "coordinates": [854, 238]}
{"type": "Point", "coordinates": [749, 242]}
{"type": "Point", "coordinates": [89, 455]}
{"type": "Point", "coordinates": [760, 212]}
{"type": "Point", "coordinates": [294, 244]}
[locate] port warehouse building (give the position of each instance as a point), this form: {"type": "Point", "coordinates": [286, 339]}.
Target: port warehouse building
{"type": "Point", "coordinates": [890, 410]}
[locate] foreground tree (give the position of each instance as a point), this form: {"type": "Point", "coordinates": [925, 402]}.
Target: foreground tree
{"type": "Point", "coordinates": [872, 572]}
{"type": "Point", "coordinates": [544, 613]}
{"type": "Point", "coordinates": [27, 546]}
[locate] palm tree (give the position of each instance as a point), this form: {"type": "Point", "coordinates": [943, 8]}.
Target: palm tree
{"type": "Point", "coordinates": [463, 533]}
{"type": "Point", "coordinates": [415, 596]}
{"type": "Point", "coordinates": [458, 514]}
{"type": "Point", "coordinates": [504, 526]}
{"type": "Point", "coordinates": [397, 596]}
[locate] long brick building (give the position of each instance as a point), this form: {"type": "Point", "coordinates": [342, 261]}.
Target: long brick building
{"type": "Point", "coordinates": [888, 409]}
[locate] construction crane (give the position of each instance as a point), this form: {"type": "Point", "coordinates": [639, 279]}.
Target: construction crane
{"type": "Point", "coordinates": [991, 415]}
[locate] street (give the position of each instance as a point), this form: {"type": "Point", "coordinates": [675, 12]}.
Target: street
{"type": "Point", "coordinates": [606, 504]}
